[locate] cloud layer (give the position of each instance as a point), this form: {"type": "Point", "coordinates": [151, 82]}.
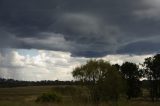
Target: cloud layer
{"type": "Point", "coordinates": [45, 65]}
{"type": "Point", "coordinates": [92, 28]}
{"type": "Point", "coordinates": [57, 35]}
{"type": "Point", "coordinates": [49, 65]}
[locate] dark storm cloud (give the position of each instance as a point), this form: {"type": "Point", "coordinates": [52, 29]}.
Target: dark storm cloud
{"type": "Point", "coordinates": [87, 28]}
{"type": "Point", "coordinates": [140, 48]}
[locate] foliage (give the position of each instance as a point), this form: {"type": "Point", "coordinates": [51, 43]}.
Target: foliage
{"type": "Point", "coordinates": [111, 86]}
{"type": "Point", "coordinates": [132, 75]}
{"type": "Point", "coordinates": [49, 97]}
{"type": "Point", "coordinates": [4, 83]}
{"type": "Point", "coordinates": [152, 72]}
{"type": "Point", "coordinates": [102, 79]}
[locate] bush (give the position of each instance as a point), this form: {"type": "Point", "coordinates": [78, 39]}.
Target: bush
{"type": "Point", "coordinates": [75, 93]}
{"type": "Point", "coordinates": [49, 97]}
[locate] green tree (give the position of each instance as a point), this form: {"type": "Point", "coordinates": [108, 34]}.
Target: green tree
{"type": "Point", "coordinates": [102, 79]}
{"type": "Point", "coordinates": [111, 86]}
{"type": "Point", "coordinates": [132, 75]}
{"type": "Point", "coordinates": [152, 72]}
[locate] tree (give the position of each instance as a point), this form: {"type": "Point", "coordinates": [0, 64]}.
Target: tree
{"type": "Point", "coordinates": [117, 66]}
{"type": "Point", "coordinates": [101, 78]}
{"type": "Point", "coordinates": [112, 85]}
{"type": "Point", "coordinates": [152, 71]}
{"type": "Point", "coordinates": [132, 75]}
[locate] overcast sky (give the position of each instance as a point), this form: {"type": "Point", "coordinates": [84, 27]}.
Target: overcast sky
{"type": "Point", "coordinates": [46, 39]}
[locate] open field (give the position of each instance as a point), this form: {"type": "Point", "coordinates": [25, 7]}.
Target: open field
{"type": "Point", "coordinates": [26, 96]}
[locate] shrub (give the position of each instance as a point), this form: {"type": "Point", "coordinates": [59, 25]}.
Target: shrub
{"type": "Point", "coordinates": [74, 93]}
{"type": "Point", "coordinates": [49, 97]}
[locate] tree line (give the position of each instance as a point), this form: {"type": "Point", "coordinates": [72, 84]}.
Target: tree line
{"type": "Point", "coordinates": [107, 81]}
{"type": "Point", "coordinates": [6, 83]}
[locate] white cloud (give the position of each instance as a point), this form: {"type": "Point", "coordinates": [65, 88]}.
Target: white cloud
{"type": "Point", "coordinates": [49, 65]}
{"type": "Point", "coordinates": [46, 65]}
{"type": "Point", "coordinates": [120, 59]}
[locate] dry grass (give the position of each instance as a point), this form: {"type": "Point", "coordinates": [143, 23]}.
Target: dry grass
{"type": "Point", "coordinates": [26, 96]}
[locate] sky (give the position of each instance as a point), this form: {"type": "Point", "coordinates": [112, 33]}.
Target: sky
{"type": "Point", "coordinates": [46, 39]}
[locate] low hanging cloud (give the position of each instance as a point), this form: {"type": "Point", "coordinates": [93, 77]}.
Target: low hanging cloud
{"type": "Point", "coordinates": [92, 28]}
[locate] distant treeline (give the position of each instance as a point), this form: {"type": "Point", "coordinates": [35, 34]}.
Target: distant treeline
{"type": "Point", "coordinates": [17, 83]}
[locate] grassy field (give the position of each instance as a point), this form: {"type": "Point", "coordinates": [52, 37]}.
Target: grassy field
{"type": "Point", "coordinates": [26, 96]}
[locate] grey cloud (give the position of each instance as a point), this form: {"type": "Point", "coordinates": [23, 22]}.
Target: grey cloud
{"type": "Point", "coordinates": [85, 28]}
{"type": "Point", "coordinates": [140, 48]}
{"type": "Point", "coordinates": [150, 10]}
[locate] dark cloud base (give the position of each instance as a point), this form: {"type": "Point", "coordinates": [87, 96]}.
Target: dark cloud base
{"type": "Point", "coordinates": [91, 28]}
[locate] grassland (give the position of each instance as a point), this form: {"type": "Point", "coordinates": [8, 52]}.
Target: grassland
{"type": "Point", "coordinates": [26, 96]}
